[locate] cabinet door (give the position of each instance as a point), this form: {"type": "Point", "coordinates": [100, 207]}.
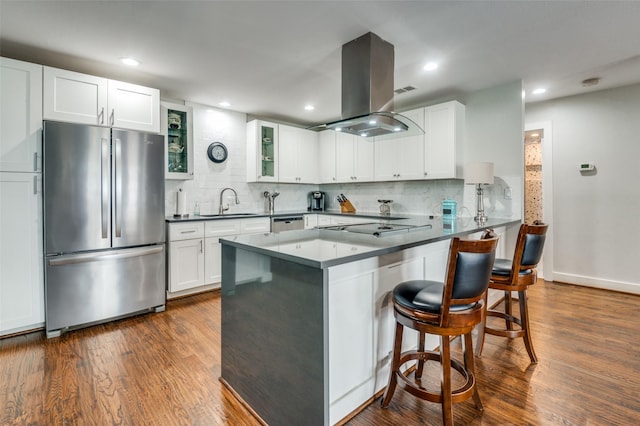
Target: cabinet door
{"type": "Point", "coordinates": [133, 107]}
{"type": "Point", "coordinates": [363, 165]}
{"type": "Point", "coordinates": [262, 151]}
{"type": "Point", "coordinates": [409, 158]}
{"type": "Point", "coordinates": [212, 261]}
{"type": "Point", "coordinates": [345, 157]}
{"type": "Point", "coordinates": [327, 156]}
{"type": "Point", "coordinates": [177, 127]}
{"type": "Point", "coordinates": [385, 153]}
{"type": "Point", "coordinates": [20, 116]}
{"type": "Point", "coordinates": [308, 164]}
{"type": "Point", "coordinates": [288, 149]}
{"type": "Point", "coordinates": [22, 281]}
{"type": "Point", "coordinates": [186, 264]}
{"type": "Point", "coordinates": [74, 97]}
{"type": "Point", "coordinates": [444, 130]}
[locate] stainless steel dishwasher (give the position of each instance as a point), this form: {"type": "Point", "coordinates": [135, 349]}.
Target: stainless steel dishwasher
{"type": "Point", "coordinates": [287, 223]}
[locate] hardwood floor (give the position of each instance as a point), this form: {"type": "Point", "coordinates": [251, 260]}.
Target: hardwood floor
{"type": "Point", "coordinates": [163, 369]}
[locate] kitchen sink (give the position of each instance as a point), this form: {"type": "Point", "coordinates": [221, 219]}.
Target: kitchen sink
{"type": "Point", "coordinates": [230, 215]}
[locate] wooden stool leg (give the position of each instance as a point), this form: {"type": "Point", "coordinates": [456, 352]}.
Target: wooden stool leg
{"type": "Point", "coordinates": [395, 367]}
{"type": "Point", "coordinates": [420, 363]}
{"type": "Point", "coordinates": [481, 326]}
{"type": "Point", "coordinates": [524, 318]}
{"type": "Point", "coordinates": [445, 365]}
{"type": "Point", "coordinates": [507, 310]}
{"type": "Point", "coordinates": [470, 367]}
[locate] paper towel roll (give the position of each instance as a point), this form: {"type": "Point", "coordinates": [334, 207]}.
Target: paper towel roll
{"type": "Point", "coordinates": [181, 208]}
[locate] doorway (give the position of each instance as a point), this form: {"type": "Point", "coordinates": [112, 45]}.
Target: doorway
{"type": "Point", "coordinates": [538, 186]}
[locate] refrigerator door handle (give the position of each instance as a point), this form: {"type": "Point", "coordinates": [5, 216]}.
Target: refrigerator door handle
{"type": "Point", "coordinates": [105, 187]}
{"type": "Point", "coordinates": [117, 193]}
{"type": "Point", "coordinates": [100, 256]}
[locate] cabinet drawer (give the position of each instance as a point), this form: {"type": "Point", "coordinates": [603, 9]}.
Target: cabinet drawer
{"type": "Point", "coordinates": [255, 226]}
{"type": "Point", "coordinates": [186, 231]}
{"type": "Point", "coordinates": [218, 228]}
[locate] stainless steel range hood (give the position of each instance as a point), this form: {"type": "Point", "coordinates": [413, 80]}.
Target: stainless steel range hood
{"type": "Point", "coordinates": [367, 92]}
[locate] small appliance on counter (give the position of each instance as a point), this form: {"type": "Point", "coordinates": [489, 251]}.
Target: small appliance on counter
{"type": "Point", "coordinates": [449, 209]}
{"type": "Point", "coordinates": [385, 208]}
{"type": "Point", "coordinates": [316, 201]}
{"type": "Point", "coordinates": [345, 204]}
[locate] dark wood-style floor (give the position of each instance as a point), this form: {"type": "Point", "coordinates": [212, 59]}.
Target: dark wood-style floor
{"type": "Point", "coordinates": [163, 369]}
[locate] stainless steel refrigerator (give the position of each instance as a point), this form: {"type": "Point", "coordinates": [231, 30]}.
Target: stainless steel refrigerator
{"type": "Point", "coordinates": [104, 225]}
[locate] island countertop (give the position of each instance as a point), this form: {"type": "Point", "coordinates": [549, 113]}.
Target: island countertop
{"type": "Point", "coordinates": [323, 248]}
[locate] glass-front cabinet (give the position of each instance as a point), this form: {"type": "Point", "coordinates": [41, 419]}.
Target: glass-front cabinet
{"type": "Point", "coordinates": [262, 151]}
{"type": "Point", "coordinates": [177, 126]}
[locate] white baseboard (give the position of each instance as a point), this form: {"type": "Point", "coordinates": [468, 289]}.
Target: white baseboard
{"type": "Point", "coordinates": [622, 286]}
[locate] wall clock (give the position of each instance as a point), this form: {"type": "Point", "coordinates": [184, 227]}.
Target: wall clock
{"type": "Point", "coordinates": [217, 152]}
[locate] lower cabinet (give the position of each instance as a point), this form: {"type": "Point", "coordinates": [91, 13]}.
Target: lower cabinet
{"type": "Point", "coordinates": [21, 258]}
{"type": "Point", "coordinates": [195, 251]}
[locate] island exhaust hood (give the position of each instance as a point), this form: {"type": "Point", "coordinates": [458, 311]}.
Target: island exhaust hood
{"type": "Point", "coordinates": [367, 92]}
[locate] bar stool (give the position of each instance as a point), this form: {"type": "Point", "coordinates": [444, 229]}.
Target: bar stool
{"type": "Point", "coordinates": [515, 275]}
{"type": "Point", "coordinates": [448, 309]}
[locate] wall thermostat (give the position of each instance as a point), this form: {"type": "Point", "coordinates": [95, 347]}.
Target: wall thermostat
{"type": "Point", "coordinates": [586, 167]}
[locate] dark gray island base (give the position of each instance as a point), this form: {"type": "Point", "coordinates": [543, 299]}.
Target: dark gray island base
{"type": "Point", "coordinates": [306, 318]}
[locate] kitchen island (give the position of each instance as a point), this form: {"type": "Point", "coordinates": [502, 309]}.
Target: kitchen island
{"type": "Point", "coordinates": [307, 318]}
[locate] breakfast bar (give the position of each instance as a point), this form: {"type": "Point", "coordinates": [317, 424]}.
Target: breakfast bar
{"type": "Point", "coordinates": [307, 321]}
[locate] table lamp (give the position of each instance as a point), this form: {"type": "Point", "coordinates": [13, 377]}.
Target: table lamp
{"type": "Point", "coordinates": [479, 174]}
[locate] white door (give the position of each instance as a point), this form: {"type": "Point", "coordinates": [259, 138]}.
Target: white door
{"type": "Point", "coordinates": [133, 107]}
{"type": "Point", "coordinates": [363, 159]}
{"type": "Point", "coordinates": [74, 97]}
{"type": "Point", "coordinates": [440, 144]}
{"type": "Point", "coordinates": [288, 150]}
{"type": "Point", "coordinates": [327, 155]}
{"type": "Point", "coordinates": [186, 265]}
{"type": "Point", "coordinates": [212, 261]}
{"type": "Point", "coordinates": [345, 157]}
{"type": "Point", "coordinates": [22, 279]}
{"type": "Point", "coordinates": [20, 116]}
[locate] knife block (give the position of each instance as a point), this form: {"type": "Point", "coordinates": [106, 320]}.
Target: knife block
{"type": "Point", "coordinates": [347, 207]}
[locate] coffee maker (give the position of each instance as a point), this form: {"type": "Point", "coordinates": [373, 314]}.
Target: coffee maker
{"type": "Point", "coordinates": [316, 201]}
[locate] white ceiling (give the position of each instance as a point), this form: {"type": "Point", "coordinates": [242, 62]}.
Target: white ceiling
{"type": "Point", "coordinates": [271, 58]}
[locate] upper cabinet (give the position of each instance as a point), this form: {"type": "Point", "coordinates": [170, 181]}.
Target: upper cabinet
{"type": "Point", "coordinates": [20, 116]}
{"type": "Point", "coordinates": [81, 98]}
{"type": "Point", "coordinates": [444, 139]}
{"type": "Point", "coordinates": [354, 158]}
{"type": "Point", "coordinates": [298, 149]}
{"type": "Point", "coordinates": [262, 151]}
{"type": "Point", "coordinates": [401, 158]}
{"type": "Point", "coordinates": [177, 127]}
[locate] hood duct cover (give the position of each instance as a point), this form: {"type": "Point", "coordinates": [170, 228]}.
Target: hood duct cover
{"type": "Point", "coordinates": [367, 92]}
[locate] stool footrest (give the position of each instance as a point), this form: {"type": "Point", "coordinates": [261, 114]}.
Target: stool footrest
{"type": "Point", "coordinates": [504, 332]}
{"type": "Point", "coordinates": [460, 394]}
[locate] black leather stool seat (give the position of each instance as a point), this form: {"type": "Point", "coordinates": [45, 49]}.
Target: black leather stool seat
{"type": "Point", "coordinates": [503, 267]}
{"type": "Point", "coordinates": [423, 295]}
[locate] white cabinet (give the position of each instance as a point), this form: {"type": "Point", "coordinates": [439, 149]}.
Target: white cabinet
{"type": "Point", "coordinates": [444, 137]}
{"type": "Point", "coordinates": [310, 221]}
{"type": "Point", "coordinates": [86, 99]}
{"type": "Point", "coordinates": [21, 252]}
{"type": "Point", "coordinates": [354, 158]}
{"type": "Point", "coordinates": [20, 116]}
{"type": "Point", "coordinates": [327, 156]}
{"type": "Point", "coordinates": [262, 151]}
{"type": "Point", "coordinates": [177, 127]}
{"type": "Point", "coordinates": [186, 256]}
{"type": "Point", "coordinates": [298, 149]}
{"type": "Point", "coordinates": [401, 158]}
{"type": "Point", "coordinates": [195, 251]}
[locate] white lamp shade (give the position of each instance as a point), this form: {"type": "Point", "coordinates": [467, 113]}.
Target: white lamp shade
{"type": "Point", "coordinates": [479, 172]}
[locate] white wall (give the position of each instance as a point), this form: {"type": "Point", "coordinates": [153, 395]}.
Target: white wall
{"type": "Point", "coordinates": [596, 215]}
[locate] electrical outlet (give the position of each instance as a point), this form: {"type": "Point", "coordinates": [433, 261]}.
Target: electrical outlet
{"type": "Point", "coordinates": [507, 193]}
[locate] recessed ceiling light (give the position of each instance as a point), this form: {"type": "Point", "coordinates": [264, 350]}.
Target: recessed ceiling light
{"type": "Point", "coordinates": [132, 62]}
{"type": "Point", "coordinates": [539, 91]}
{"type": "Point", "coordinates": [430, 66]}
{"type": "Point", "coordinates": [224, 104]}
{"type": "Point", "coordinates": [309, 107]}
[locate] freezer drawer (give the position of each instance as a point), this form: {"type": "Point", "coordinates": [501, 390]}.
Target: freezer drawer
{"type": "Point", "coordinates": [93, 287]}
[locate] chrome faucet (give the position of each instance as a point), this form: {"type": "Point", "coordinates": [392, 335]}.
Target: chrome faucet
{"type": "Point", "coordinates": [222, 209]}
{"type": "Point", "coordinates": [271, 197]}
